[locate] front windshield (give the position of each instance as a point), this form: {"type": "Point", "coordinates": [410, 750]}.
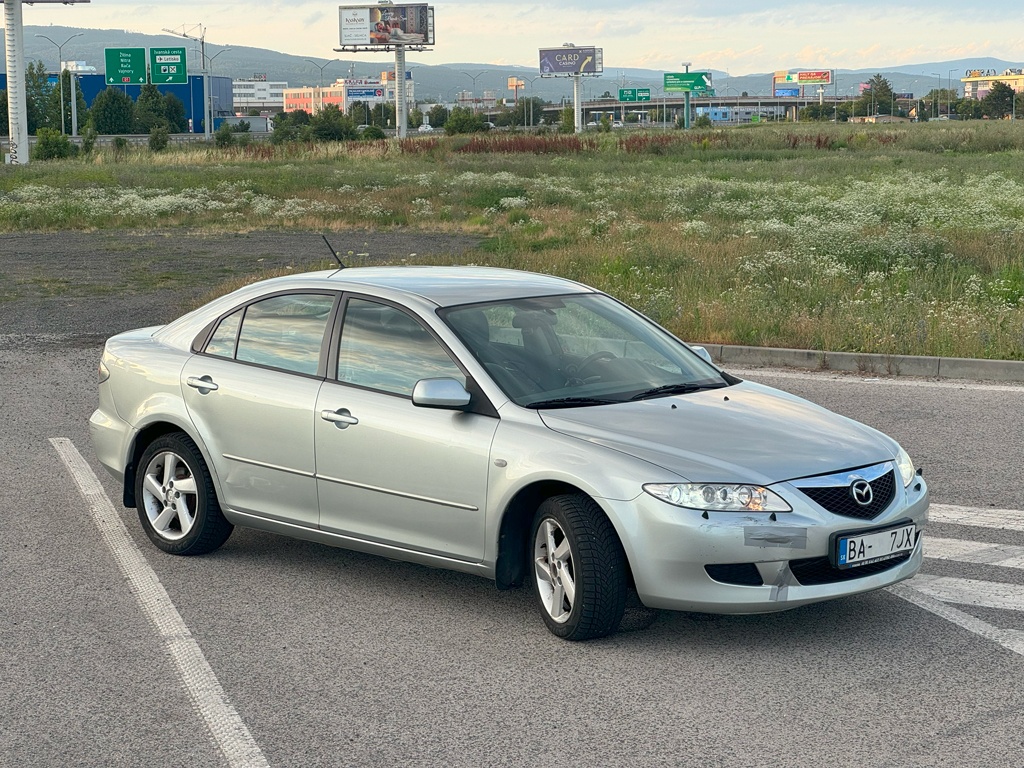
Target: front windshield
{"type": "Point", "coordinates": [576, 350]}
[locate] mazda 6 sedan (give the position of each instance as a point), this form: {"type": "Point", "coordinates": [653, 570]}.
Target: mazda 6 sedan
{"type": "Point", "coordinates": [521, 427]}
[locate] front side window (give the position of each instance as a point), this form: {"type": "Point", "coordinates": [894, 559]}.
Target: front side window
{"type": "Point", "coordinates": [576, 350]}
{"type": "Point", "coordinates": [387, 349]}
{"type": "Point", "coordinates": [285, 332]}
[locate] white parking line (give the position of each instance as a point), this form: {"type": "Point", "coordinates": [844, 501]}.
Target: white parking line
{"type": "Point", "coordinates": [983, 594]}
{"type": "Point", "coordinates": [229, 732]}
{"type": "Point", "coordinates": [1003, 519]}
{"type": "Point", "coordinates": [1010, 639]}
{"type": "Point", "coordinates": [985, 553]}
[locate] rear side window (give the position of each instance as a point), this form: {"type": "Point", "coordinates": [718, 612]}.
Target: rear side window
{"type": "Point", "coordinates": [284, 332]}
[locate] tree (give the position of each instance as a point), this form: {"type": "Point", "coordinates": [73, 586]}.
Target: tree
{"type": "Point", "coordinates": [462, 120]}
{"type": "Point", "coordinates": [253, 112]}
{"type": "Point", "coordinates": [112, 112]}
{"type": "Point", "coordinates": [53, 105]}
{"type": "Point", "coordinates": [415, 118]}
{"type": "Point", "coordinates": [567, 120]}
{"type": "Point", "coordinates": [331, 124]}
{"type": "Point", "coordinates": [51, 144]}
{"type": "Point", "coordinates": [438, 115]}
{"type": "Point", "coordinates": [150, 109]}
{"type": "Point", "coordinates": [877, 98]}
{"type": "Point", "coordinates": [37, 93]}
{"type": "Point", "coordinates": [174, 114]}
{"type": "Point", "coordinates": [383, 114]}
{"type": "Point", "coordinates": [359, 111]}
{"type": "Point", "coordinates": [998, 103]}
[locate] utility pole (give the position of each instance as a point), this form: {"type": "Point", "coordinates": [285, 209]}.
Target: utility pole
{"type": "Point", "coordinates": [17, 102]}
{"type": "Point", "coordinates": [207, 107]}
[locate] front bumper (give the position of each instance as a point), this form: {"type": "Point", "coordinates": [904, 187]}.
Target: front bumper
{"type": "Point", "coordinates": [669, 547]}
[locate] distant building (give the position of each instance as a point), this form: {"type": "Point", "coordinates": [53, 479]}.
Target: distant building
{"type": "Point", "coordinates": [346, 91]}
{"type": "Point", "coordinates": [258, 93]}
{"type": "Point", "coordinates": [978, 82]}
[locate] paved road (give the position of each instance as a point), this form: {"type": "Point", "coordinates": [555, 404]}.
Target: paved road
{"type": "Point", "coordinates": [335, 658]}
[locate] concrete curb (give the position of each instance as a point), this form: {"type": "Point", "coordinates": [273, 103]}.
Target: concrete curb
{"type": "Point", "coordinates": [888, 365]}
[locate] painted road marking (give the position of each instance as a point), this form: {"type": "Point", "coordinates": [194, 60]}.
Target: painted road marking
{"type": "Point", "coordinates": [983, 594]}
{"type": "Point", "coordinates": [1002, 519]}
{"type": "Point", "coordinates": [1010, 639]}
{"type": "Point", "coordinates": [229, 732]}
{"type": "Point", "coordinates": [982, 552]}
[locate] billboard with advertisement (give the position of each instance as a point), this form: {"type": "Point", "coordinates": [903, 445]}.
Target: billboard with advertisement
{"type": "Point", "coordinates": [806, 77]}
{"type": "Point", "coordinates": [375, 26]}
{"type": "Point", "coordinates": [571, 61]}
{"type": "Point", "coordinates": [698, 82]}
{"type": "Point", "coordinates": [787, 93]}
{"type": "Point", "coordinates": [364, 94]}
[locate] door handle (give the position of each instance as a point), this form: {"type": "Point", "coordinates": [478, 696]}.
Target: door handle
{"type": "Point", "coordinates": [203, 383]}
{"type": "Point", "coordinates": [342, 418]}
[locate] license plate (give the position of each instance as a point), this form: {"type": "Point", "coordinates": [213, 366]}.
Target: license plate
{"type": "Point", "coordinates": [863, 548]}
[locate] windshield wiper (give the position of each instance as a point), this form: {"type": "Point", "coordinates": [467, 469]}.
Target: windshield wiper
{"type": "Point", "coordinates": [571, 402]}
{"type": "Point", "coordinates": [675, 389]}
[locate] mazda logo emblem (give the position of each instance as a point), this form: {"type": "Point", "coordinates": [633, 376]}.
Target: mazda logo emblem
{"type": "Point", "coordinates": [861, 492]}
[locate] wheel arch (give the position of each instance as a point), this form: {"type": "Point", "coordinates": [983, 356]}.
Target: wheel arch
{"type": "Point", "coordinates": [510, 569]}
{"type": "Point", "coordinates": [142, 439]}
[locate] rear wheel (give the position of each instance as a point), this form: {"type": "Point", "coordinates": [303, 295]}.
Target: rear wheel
{"type": "Point", "coordinates": [579, 568]}
{"type": "Point", "coordinates": [177, 505]}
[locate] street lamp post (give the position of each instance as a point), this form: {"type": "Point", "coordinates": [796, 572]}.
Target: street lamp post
{"type": "Point", "coordinates": [529, 104]}
{"type": "Point", "coordinates": [938, 87]}
{"type": "Point", "coordinates": [686, 100]}
{"type": "Point", "coordinates": [473, 78]}
{"type": "Point", "coordinates": [949, 92]}
{"type": "Point", "coordinates": [60, 72]}
{"type": "Point", "coordinates": [321, 67]}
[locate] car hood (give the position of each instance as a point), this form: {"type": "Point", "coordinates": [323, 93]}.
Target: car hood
{"type": "Point", "coordinates": [745, 433]}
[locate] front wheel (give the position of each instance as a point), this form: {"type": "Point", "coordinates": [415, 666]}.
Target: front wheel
{"type": "Point", "coordinates": [579, 568]}
{"type": "Point", "coordinates": [177, 505]}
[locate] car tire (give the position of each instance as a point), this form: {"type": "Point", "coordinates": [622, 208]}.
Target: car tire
{"type": "Point", "coordinates": [581, 590]}
{"type": "Point", "coordinates": [177, 504]}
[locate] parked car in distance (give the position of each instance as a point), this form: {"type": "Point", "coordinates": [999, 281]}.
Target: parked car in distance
{"type": "Point", "coordinates": [516, 426]}
{"type": "Point", "coordinates": [426, 128]}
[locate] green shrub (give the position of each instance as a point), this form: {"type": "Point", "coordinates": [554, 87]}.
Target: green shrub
{"type": "Point", "coordinates": [373, 133]}
{"type": "Point", "coordinates": [224, 136]}
{"type": "Point", "coordinates": [158, 138]}
{"type": "Point", "coordinates": [89, 137]}
{"type": "Point", "coordinates": [51, 144]}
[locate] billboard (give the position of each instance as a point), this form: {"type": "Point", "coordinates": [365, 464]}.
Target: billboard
{"type": "Point", "coordinates": [374, 26]}
{"type": "Point", "coordinates": [786, 93]}
{"type": "Point", "coordinates": [570, 60]}
{"type": "Point", "coordinates": [806, 77]}
{"type": "Point", "coordinates": [364, 94]}
{"type": "Point", "coordinates": [699, 82]}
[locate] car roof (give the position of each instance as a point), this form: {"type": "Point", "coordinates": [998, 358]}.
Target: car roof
{"type": "Point", "coordinates": [447, 286]}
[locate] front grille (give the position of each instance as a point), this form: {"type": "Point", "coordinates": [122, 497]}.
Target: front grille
{"type": "Point", "coordinates": [839, 499]}
{"type": "Point", "coordinates": [812, 571]}
{"type": "Point", "coordinates": [742, 574]}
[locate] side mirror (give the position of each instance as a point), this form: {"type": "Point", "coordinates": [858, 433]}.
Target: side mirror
{"type": "Point", "coordinates": [702, 353]}
{"type": "Point", "coordinates": [440, 393]}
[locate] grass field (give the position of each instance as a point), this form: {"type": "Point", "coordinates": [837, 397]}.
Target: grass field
{"type": "Point", "coordinates": [892, 239]}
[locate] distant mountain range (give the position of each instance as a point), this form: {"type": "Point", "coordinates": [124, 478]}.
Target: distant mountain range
{"type": "Point", "coordinates": [442, 81]}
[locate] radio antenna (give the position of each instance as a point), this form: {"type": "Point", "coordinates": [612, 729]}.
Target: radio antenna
{"type": "Point", "coordinates": [334, 253]}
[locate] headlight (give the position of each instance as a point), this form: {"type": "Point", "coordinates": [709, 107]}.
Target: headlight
{"type": "Point", "coordinates": [724, 497]}
{"type": "Point", "coordinates": [906, 466]}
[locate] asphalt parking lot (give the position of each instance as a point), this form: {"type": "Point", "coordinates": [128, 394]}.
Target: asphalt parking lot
{"type": "Point", "coordinates": [317, 656]}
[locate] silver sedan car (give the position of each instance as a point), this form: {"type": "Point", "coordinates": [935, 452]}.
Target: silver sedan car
{"type": "Point", "coordinates": [517, 426]}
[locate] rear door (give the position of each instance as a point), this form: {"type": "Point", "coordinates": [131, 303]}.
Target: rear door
{"type": "Point", "coordinates": [252, 395]}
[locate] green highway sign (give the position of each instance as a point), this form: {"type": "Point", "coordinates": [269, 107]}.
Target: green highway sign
{"type": "Point", "coordinates": [698, 82]}
{"type": "Point", "coordinates": [125, 66]}
{"type": "Point", "coordinates": [634, 94]}
{"type": "Point", "coordinates": [167, 65]}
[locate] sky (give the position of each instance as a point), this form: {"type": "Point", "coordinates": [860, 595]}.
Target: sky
{"type": "Point", "coordinates": [739, 37]}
